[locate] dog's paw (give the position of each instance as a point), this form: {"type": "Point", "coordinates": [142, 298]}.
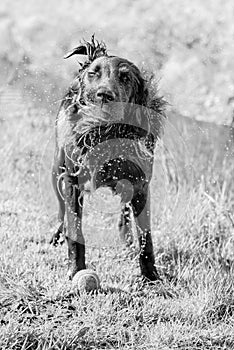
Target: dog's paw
{"type": "Point", "coordinates": [150, 274]}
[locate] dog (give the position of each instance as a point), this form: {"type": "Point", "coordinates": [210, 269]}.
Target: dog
{"type": "Point", "coordinates": [106, 132]}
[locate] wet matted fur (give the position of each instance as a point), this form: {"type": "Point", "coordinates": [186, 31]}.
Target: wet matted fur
{"type": "Point", "coordinates": [106, 132]}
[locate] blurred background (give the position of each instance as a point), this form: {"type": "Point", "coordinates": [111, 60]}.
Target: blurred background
{"type": "Point", "coordinates": [188, 44]}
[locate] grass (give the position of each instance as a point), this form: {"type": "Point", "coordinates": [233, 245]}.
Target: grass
{"type": "Point", "coordinates": [192, 308]}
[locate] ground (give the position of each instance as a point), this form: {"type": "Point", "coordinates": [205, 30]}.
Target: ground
{"type": "Point", "coordinates": [192, 187]}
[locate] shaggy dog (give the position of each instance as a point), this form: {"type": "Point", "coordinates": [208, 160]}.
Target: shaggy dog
{"type": "Point", "coordinates": [106, 131]}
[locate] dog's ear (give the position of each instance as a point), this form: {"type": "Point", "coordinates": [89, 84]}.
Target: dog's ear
{"type": "Point", "coordinates": [92, 49]}
{"type": "Point", "coordinates": [79, 50]}
{"type": "Point", "coordinates": [139, 87]}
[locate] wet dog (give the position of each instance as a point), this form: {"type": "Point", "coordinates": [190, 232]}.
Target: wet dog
{"type": "Point", "coordinates": [106, 131]}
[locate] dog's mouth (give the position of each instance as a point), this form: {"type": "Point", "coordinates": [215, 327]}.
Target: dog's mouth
{"type": "Point", "coordinates": [109, 111]}
{"type": "Point", "coordinates": [107, 107]}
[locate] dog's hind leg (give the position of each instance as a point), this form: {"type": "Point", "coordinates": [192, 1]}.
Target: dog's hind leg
{"type": "Point", "coordinates": [141, 210]}
{"type": "Point", "coordinates": [125, 227]}
{"type": "Point", "coordinates": [57, 170]}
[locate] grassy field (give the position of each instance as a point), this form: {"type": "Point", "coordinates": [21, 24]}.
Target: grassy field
{"type": "Point", "coordinates": [193, 231]}
{"type": "Point", "coordinates": [192, 196]}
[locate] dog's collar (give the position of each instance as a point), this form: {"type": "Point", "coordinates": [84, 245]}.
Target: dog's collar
{"type": "Point", "coordinates": [106, 132]}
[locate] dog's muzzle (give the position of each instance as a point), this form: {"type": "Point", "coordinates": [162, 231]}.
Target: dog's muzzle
{"type": "Point", "coordinates": [105, 95]}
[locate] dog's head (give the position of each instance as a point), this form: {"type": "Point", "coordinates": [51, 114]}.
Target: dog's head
{"type": "Point", "coordinates": [108, 82]}
{"type": "Point", "coordinates": [113, 79]}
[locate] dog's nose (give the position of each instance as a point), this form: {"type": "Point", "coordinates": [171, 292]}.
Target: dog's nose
{"type": "Point", "coordinates": [105, 95]}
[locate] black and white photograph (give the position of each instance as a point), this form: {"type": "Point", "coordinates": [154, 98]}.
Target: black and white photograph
{"type": "Point", "coordinates": [117, 175]}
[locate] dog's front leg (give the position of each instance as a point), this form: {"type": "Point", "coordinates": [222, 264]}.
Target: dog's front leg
{"type": "Point", "coordinates": [141, 209]}
{"type": "Point", "coordinates": [57, 170]}
{"type": "Point", "coordinates": [74, 235]}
